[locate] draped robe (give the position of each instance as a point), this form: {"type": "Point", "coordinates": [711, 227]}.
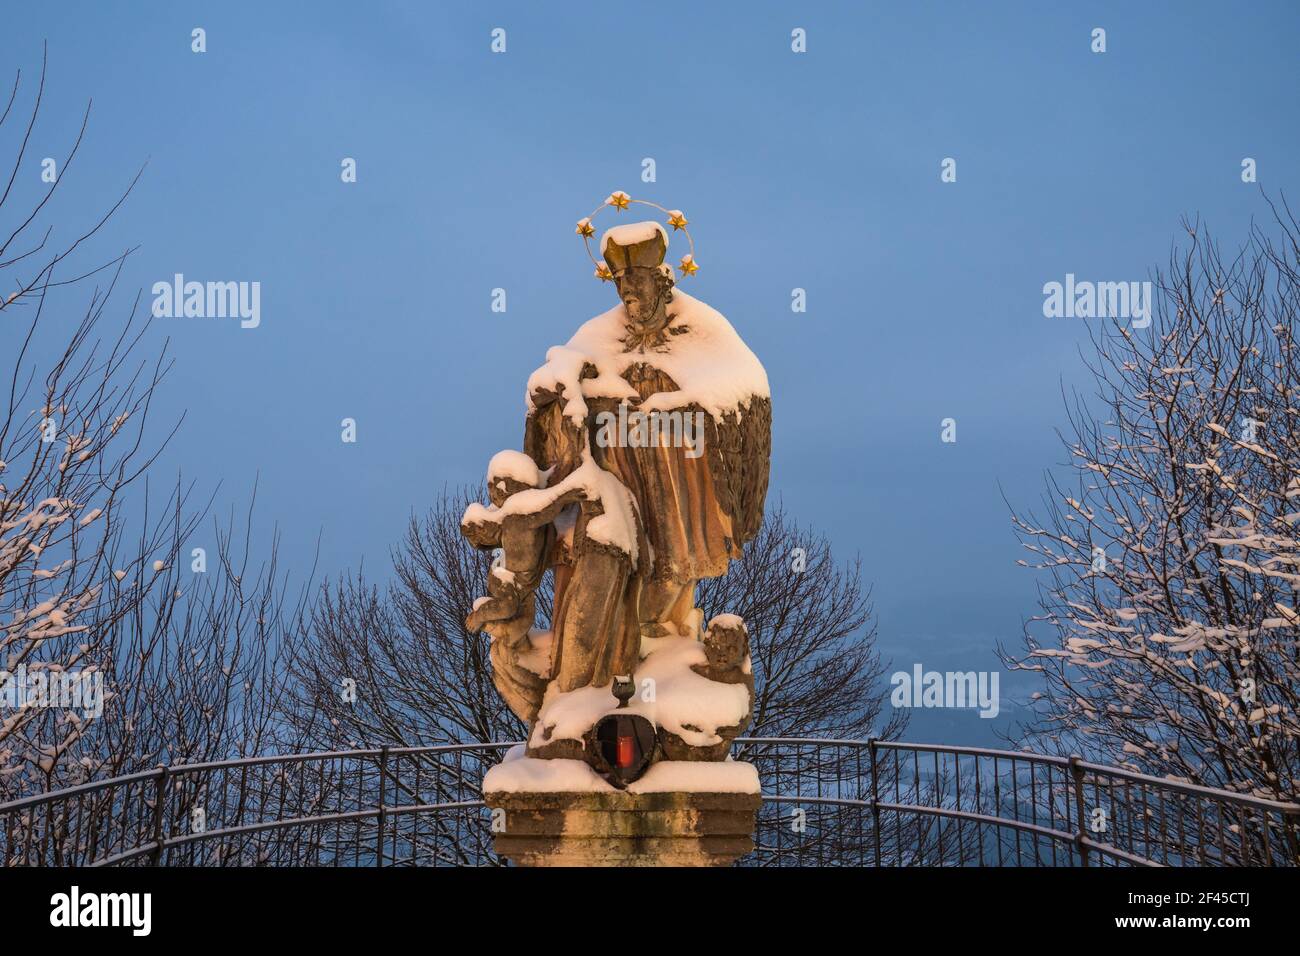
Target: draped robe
{"type": "Point", "coordinates": [694, 516]}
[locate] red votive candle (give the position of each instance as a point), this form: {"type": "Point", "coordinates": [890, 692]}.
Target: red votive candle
{"type": "Point", "coordinates": [625, 752]}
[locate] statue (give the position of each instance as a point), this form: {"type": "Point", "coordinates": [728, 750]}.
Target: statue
{"type": "Point", "coordinates": [644, 470]}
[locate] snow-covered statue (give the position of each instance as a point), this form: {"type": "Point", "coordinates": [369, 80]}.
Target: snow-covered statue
{"type": "Point", "coordinates": [644, 469]}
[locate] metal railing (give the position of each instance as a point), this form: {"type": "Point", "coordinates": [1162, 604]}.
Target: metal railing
{"type": "Point", "coordinates": [886, 803]}
{"type": "Point", "coordinates": [826, 802]}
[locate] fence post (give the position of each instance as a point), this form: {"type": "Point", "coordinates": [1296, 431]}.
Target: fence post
{"type": "Point", "coordinates": [875, 799]}
{"type": "Point", "coordinates": [159, 797]}
{"type": "Point", "coordinates": [1079, 838]}
{"type": "Point", "coordinates": [383, 812]}
{"type": "Point", "coordinates": [1291, 824]}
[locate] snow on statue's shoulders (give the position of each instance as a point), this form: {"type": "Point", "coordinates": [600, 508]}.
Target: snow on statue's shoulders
{"type": "Point", "coordinates": [703, 354]}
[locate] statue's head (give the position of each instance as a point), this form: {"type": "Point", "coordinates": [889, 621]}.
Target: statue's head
{"type": "Point", "coordinates": [635, 256]}
{"type": "Point", "coordinates": [503, 488]}
{"type": "Point", "coordinates": [645, 294]}
{"type": "Point", "coordinates": [510, 472]}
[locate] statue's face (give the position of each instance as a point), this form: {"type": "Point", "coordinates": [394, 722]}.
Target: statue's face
{"type": "Point", "coordinates": [499, 489]}
{"type": "Point", "coordinates": [641, 293]}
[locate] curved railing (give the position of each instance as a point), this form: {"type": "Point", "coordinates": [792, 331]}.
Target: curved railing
{"type": "Point", "coordinates": [878, 802]}
{"type": "Point", "coordinates": [827, 802]}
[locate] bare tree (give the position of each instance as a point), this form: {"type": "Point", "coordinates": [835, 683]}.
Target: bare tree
{"type": "Point", "coordinates": [1167, 639]}
{"type": "Point", "coordinates": [420, 678]}
{"type": "Point", "coordinates": [71, 443]}
{"type": "Point", "coordinates": [93, 587]}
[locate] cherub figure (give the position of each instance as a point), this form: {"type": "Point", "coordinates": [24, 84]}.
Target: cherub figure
{"type": "Point", "coordinates": [521, 525]}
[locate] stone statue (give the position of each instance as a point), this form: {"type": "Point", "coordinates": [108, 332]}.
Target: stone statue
{"type": "Point", "coordinates": [644, 469]}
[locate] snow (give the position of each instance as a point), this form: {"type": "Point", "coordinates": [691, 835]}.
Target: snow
{"type": "Point", "coordinates": [684, 702]}
{"type": "Point", "coordinates": [562, 371]}
{"type": "Point", "coordinates": [698, 776]}
{"type": "Point", "coordinates": [729, 621]}
{"type": "Point", "coordinates": [518, 773]}
{"type": "Point", "coordinates": [516, 465]}
{"type": "Point", "coordinates": [566, 524]}
{"type": "Point", "coordinates": [617, 527]}
{"type": "Point", "coordinates": [538, 656]}
{"type": "Point", "coordinates": [712, 366]}
{"type": "Point", "coordinates": [632, 233]}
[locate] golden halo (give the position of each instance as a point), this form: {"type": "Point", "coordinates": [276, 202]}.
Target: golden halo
{"type": "Point", "coordinates": [620, 200]}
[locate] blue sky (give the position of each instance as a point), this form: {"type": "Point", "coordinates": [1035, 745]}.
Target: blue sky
{"type": "Point", "coordinates": [816, 170]}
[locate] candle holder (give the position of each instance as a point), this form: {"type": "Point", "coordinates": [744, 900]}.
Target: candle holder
{"type": "Point", "coordinates": [623, 690]}
{"type": "Point", "coordinates": [621, 747]}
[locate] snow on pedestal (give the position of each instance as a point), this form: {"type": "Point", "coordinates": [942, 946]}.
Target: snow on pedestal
{"type": "Point", "coordinates": [518, 773]}
{"type": "Point", "coordinates": [562, 813]}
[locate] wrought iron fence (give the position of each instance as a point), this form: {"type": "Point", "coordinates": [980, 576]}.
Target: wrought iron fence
{"type": "Point", "coordinates": [826, 802]}
{"type": "Point", "coordinates": [885, 803]}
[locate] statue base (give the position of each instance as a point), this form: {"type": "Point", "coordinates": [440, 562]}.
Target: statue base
{"type": "Point", "coordinates": [621, 828]}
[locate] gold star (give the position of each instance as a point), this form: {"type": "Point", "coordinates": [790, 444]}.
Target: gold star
{"type": "Point", "coordinates": [585, 228]}
{"type": "Point", "coordinates": [618, 199]}
{"type": "Point", "coordinates": [603, 273]}
{"type": "Point", "coordinates": [676, 219]}
{"type": "Point", "coordinates": [688, 265]}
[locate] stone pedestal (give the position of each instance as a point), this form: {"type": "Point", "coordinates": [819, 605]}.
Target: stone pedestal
{"type": "Point", "coordinates": [621, 828]}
